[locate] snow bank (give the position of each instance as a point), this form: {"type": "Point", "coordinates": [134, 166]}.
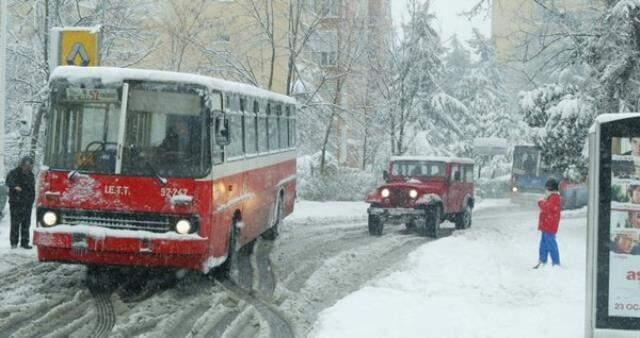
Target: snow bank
{"type": "Point", "coordinates": [12, 257]}
{"type": "Point", "coordinates": [312, 212]}
{"type": "Point", "coordinates": [478, 283]}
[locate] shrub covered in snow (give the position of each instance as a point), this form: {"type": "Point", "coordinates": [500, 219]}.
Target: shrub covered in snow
{"type": "Point", "coordinates": [337, 184]}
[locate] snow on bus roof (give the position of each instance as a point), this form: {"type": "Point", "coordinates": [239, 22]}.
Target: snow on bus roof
{"type": "Point", "coordinates": [115, 75]}
{"type": "Point", "coordinates": [433, 159]}
{"type": "Point", "coordinates": [606, 118]}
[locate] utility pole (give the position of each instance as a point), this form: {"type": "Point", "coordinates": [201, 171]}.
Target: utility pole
{"type": "Point", "coordinates": [3, 79]}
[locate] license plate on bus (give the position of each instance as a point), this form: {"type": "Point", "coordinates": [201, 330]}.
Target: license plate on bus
{"type": "Point", "coordinates": [79, 242]}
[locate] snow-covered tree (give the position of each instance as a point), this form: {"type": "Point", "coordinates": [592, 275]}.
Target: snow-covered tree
{"type": "Point", "coordinates": [561, 116]}
{"type": "Point", "coordinates": [425, 117]}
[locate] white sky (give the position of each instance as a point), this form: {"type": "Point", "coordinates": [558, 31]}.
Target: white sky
{"type": "Point", "coordinates": [448, 20]}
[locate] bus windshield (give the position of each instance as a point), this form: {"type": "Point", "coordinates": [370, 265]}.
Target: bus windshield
{"type": "Point", "coordinates": [525, 160]}
{"type": "Point", "coordinates": [165, 130]}
{"type": "Point", "coordinates": [418, 169]}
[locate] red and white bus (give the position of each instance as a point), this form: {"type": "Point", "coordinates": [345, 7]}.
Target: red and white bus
{"type": "Point", "coordinates": [161, 169]}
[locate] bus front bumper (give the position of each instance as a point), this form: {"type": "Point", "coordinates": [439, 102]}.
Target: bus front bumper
{"type": "Point", "coordinates": [101, 246]}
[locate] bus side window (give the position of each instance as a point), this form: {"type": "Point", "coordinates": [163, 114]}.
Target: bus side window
{"type": "Point", "coordinates": [272, 126]}
{"type": "Point", "coordinates": [250, 124]}
{"type": "Point", "coordinates": [262, 129]}
{"type": "Point", "coordinates": [292, 128]}
{"type": "Point", "coordinates": [217, 153]}
{"type": "Point", "coordinates": [234, 115]}
{"type": "Point", "coordinates": [282, 127]}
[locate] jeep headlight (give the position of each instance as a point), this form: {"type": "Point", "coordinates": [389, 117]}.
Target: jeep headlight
{"type": "Point", "coordinates": [413, 193]}
{"type": "Point", "coordinates": [385, 193]}
{"type": "Point", "coordinates": [183, 227]}
{"type": "Point", "coordinates": [49, 219]}
{"type": "Point", "coordinates": [514, 189]}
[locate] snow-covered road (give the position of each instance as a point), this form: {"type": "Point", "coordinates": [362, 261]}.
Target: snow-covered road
{"type": "Point", "coordinates": [324, 254]}
{"type": "Point", "coordinates": [477, 283]}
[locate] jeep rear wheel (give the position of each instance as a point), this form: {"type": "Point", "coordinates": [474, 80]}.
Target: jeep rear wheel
{"type": "Point", "coordinates": [375, 226]}
{"type": "Point", "coordinates": [463, 219]}
{"type": "Point", "coordinates": [411, 225]}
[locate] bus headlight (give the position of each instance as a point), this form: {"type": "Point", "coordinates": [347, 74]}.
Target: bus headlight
{"type": "Point", "coordinates": [385, 193]}
{"type": "Point", "coordinates": [49, 219]}
{"type": "Point", "coordinates": [413, 193]}
{"type": "Point", "coordinates": [183, 227]}
{"type": "Point", "coordinates": [514, 189]}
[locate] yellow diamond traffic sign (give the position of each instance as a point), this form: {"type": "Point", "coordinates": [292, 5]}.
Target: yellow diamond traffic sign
{"type": "Point", "coordinates": [78, 47]}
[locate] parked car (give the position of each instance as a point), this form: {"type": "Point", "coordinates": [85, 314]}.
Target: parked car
{"type": "Point", "coordinates": [421, 192]}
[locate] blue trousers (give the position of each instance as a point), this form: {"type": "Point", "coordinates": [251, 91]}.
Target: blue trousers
{"type": "Point", "coordinates": [549, 246]}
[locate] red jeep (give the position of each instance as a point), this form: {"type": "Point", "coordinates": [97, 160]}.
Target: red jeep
{"type": "Point", "coordinates": [421, 192]}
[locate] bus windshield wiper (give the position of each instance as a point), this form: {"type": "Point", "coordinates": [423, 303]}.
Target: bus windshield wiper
{"type": "Point", "coordinates": [154, 172]}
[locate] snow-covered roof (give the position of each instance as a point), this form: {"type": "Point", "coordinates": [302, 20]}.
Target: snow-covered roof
{"type": "Point", "coordinates": [116, 75]}
{"type": "Point", "coordinates": [90, 29]}
{"type": "Point", "coordinates": [606, 118]}
{"type": "Point", "coordinates": [433, 159]}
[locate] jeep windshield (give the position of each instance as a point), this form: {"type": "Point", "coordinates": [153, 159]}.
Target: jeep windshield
{"type": "Point", "coordinates": [418, 169]}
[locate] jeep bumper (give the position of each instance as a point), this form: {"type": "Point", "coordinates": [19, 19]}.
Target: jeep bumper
{"type": "Point", "coordinates": [396, 215]}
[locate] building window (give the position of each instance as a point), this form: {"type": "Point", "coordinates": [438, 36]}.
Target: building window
{"type": "Point", "coordinates": [324, 47]}
{"type": "Point", "coordinates": [326, 8]}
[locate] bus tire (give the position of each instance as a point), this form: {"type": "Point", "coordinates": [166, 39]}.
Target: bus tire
{"type": "Point", "coordinates": [375, 226]}
{"type": "Point", "coordinates": [231, 262]}
{"type": "Point", "coordinates": [272, 233]}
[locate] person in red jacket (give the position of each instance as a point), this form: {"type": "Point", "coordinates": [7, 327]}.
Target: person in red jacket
{"type": "Point", "coordinates": [548, 223]}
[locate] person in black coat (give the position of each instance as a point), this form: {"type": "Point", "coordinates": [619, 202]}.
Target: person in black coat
{"type": "Point", "coordinates": [22, 194]}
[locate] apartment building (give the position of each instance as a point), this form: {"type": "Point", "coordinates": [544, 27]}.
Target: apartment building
{"type": "Point", "coordinates": [515, 21]}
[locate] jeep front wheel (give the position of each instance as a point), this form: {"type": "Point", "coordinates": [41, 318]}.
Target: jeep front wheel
{"type": "Point", "coordinates": [375, 225]}
{"type": "Point", "coordinates": [431, 224]}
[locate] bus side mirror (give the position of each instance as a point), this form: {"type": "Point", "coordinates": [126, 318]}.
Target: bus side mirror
{"type": "Point", "coordinates": [222, 131]}
{"type": "Point", "coordinates": [385, 175]}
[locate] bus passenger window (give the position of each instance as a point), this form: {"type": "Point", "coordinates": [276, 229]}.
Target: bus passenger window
{"type": "Point", "coordinates": [282, 128]}
{"type": "Point", "coordinates": [262, 132]}
{"type": "Point", "coordinates": [250, 136]}
{"type": "Point", "coordinates": [234, 149]}
{"type": "Point", "coordinates": [292, 131]}
{"type": "Point", "coordinates": [273, 128]}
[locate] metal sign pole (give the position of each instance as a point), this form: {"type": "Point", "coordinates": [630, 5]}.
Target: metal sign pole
{"type": "Point", "coordinates": [3, 80]}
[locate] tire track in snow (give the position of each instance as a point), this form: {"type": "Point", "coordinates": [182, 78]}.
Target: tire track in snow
{"type": "Point", "coordinates": [279, 327]}
{"type": "Point", "coordinates": [324, 271]}
{"type": "Point", "coordinates": [105, 315]}
{"type": "Point", "coordinates": [266, 278]}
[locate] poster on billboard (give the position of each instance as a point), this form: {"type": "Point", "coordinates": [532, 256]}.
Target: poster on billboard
{"type": "Point", "coordinates": [624, 229]}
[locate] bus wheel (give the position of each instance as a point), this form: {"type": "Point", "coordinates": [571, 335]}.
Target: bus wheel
{"type": "Point", "coordinates": [231, 263]}
{"type": "Point", "coordinates": [272, 233]}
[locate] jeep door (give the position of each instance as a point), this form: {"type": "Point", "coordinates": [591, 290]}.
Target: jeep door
{"type": "Point", "coordinates": [456, 189]}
